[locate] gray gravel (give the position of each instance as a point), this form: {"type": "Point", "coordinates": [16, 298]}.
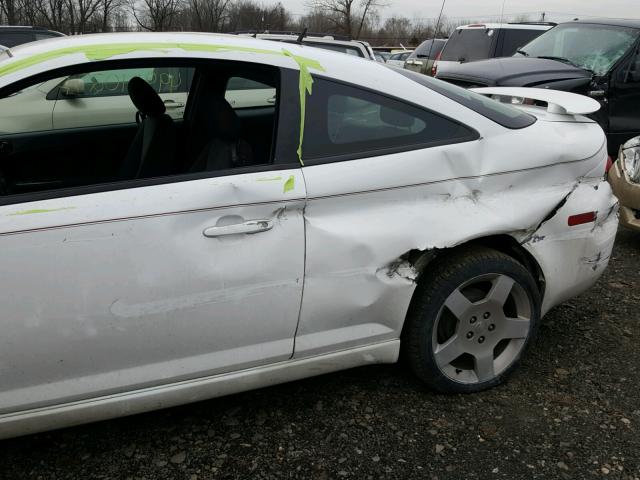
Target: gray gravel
{"type": "Point", "coordinates": [571, 411]}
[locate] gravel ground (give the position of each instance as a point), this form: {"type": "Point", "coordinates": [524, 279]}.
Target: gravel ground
{"type": "Point", "coordinates": [571, 411]}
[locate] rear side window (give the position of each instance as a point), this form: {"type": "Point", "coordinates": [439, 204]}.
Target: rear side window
{"type": "Point", "coordinates": [469, 44]}
{"type": "Point", "coordinates": [346, 120]}
{"type": "Point", "coordinates": [501, 113]}
{"type": "Point", "coordinates": [11, 39]}
{"type": "Point", "coordinates": [514, 39]}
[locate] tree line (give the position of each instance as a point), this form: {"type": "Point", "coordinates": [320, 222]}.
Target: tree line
{"type": "Point", "coordinates": [359, 19]}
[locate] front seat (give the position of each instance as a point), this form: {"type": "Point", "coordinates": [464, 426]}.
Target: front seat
{"type": "Point", "coordinates": [225, 148]}
{"type": "Point", "coordinates": [153, 151]}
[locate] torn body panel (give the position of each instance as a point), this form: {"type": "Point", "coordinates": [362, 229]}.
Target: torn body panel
{"type": "Point", "coordinates": [358, 280]}
{"type": "Point", "coordinates": [573, 258]}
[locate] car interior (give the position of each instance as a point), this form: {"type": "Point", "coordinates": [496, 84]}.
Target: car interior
{"type": "Point", "coordinates": [212, 136]}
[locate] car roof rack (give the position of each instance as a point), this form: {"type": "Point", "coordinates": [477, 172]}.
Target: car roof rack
{"type": "Point", "coordinates": [552, 24]}
{"type": "Point", "coordinates": [334, 36]}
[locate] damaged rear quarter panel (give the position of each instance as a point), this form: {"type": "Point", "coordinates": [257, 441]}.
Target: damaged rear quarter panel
{"type": "Point", "coordinates": [364, 216]}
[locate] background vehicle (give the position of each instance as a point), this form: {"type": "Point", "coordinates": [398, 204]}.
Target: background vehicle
{"type": "Point", "coordinates": [597, 58]}
{"type": "Point", "coordinates": [10, 36]}
{"type": "Point", "coordinates": [469, 43]}
{"type": "Point", "coordinates": [380, 57]}
{"type": "Point", "coordinates": [336, 43]}
{"type": "Point", "coordinates": [163, 261]}
{"type": "Point", "coordinates": [423, 57]}
{"type": "Point", "coordinates": [624, 177]}
{"type": "Point", "coordinates": [63, 102]}
{"type": "Point", "coordinates": [397, 59]}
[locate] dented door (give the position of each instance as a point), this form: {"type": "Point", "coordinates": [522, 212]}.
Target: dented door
{"type": "Point", "coordinates": [114, 291]}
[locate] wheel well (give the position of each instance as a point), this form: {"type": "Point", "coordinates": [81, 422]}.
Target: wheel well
{"type": "Point", "coordinates": [502, 243]}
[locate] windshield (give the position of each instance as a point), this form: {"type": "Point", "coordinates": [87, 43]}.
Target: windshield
{"type": "Point", "coordinates": [589, 46]}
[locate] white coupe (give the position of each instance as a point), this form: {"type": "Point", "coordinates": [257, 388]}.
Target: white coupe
{"type": "Point", "coordinates": [151, 258]}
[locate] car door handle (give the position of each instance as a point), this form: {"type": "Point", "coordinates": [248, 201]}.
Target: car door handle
{"type": "Point", "coordinates": [248, 227]}
{"type": "Point", "coordinates": [173, 104]}
{"type": "Point", "coordinates": [272, 100]}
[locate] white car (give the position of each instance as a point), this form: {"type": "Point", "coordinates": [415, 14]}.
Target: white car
{"type": "Point", "coordinates": [397, 59]}
{"type": "Point", "coordinates": [179, 258]}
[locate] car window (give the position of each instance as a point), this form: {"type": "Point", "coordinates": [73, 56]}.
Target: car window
{"type": "Point", "coordinates": [469, 44]}
{"type": "Point", "coordinates": [335, 47]}
{"type": "Point", "coordinates": [346, 120]}
{"type": "Point", "coordinates": [13, 39]}
{"type": "Point", "coordinates": [45, 36]}
{"type": "Point", "coordinates": [501, 113]}
{"type": "Point", "coordinates": [248, 93]}
{"type": "Point", "coordinates": [90, 133]}
{"type": "Point", "coordinates": [630, 73]}
{"type": "Point", "coordinates": [428, 49]}
{"type": "Point", "coordinates": [114, 82]}
{"type": "Point", "coordinates": [516, 38]}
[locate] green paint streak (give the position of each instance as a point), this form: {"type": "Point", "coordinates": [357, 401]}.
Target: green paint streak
{"type": "Point", "coordinates": [290, 184]}
{"type": "Point", "coordinates": [272, 179]}
{"type": "Point", "coordinates": [39, 210]}
{"type": "Point", "coordinates": [305, 85]}
{"type": "Point", "coordinates": [106, 51]}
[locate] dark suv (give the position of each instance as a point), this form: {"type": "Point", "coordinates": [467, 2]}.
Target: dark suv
{"type": "Point", "coordinates": [598, 58]}
{"type": "Point", "coordinates": [12, 36]}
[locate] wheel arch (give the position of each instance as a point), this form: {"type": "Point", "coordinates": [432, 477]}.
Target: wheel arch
{"type": "Point", "coordinates": [502, 243]}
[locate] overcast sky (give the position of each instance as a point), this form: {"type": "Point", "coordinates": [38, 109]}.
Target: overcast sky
{"type": "Point", "coordinates": [556, 9]}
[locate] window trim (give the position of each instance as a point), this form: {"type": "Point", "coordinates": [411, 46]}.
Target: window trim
{"type": "Point", "coordinates": [377, 152]}
{"type": "Point", "coordinates": [20, 198]}
{"type": "Point", "coordinates": [287, 125]}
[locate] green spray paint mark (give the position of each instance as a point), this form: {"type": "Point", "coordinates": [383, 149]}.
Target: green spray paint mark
{"type": "Point", "coordinates": [106, 51]}
{"type": "Point", "coordinates": [305, 85]}
{"type": "Point", "coordinates": [271, 179]}
{"type": "Point", "coordinates": [39, 210]}
{"type": "Point", "coordinates": [290, 184]}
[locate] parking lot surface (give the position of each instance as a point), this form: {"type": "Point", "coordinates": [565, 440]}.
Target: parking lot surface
{"type": "Point", "coordinates": [571, 411]}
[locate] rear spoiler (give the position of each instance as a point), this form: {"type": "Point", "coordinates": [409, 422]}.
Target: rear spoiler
{"type": "Point", "coordinates": [562, 103]}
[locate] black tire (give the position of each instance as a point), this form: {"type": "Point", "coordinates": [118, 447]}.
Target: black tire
{"type": "Point", "coordinates": [443, 277]}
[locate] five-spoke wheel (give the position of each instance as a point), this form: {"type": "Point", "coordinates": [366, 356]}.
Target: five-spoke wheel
{"type": "Point", "coordinates": [471, 320]}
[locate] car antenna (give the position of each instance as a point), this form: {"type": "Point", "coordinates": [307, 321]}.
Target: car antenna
{"type": "Point", "coordinates": [435, 33]}
{"type": "Point", "coordinates": [302, 35]}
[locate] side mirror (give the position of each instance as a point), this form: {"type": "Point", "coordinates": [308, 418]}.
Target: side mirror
{"type": "Point", "coordinates": [72, 87]}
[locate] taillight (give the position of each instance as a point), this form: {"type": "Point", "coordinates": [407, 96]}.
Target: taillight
{"type": "Point", "coordinates": [434, 67]}
{"type": "Point", "coordinates": [582, 218]}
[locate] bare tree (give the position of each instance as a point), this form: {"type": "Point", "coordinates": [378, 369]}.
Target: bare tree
{"type": "Point", "coordinates": [208, 15]}
{"type": "Point", "coordinates": [348, 15]}
{"type": "Point", "coordinates": [107, 10]}
{"type": "Point", "coordinates": [155, 15]}
{"type": "Point", "coordinates": [11, 11]}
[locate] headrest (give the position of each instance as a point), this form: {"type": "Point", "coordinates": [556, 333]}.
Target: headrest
{"type": "Point", "coordinates": [145, 98]}
{"type": "Point", "coordinates": [224, 121]}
